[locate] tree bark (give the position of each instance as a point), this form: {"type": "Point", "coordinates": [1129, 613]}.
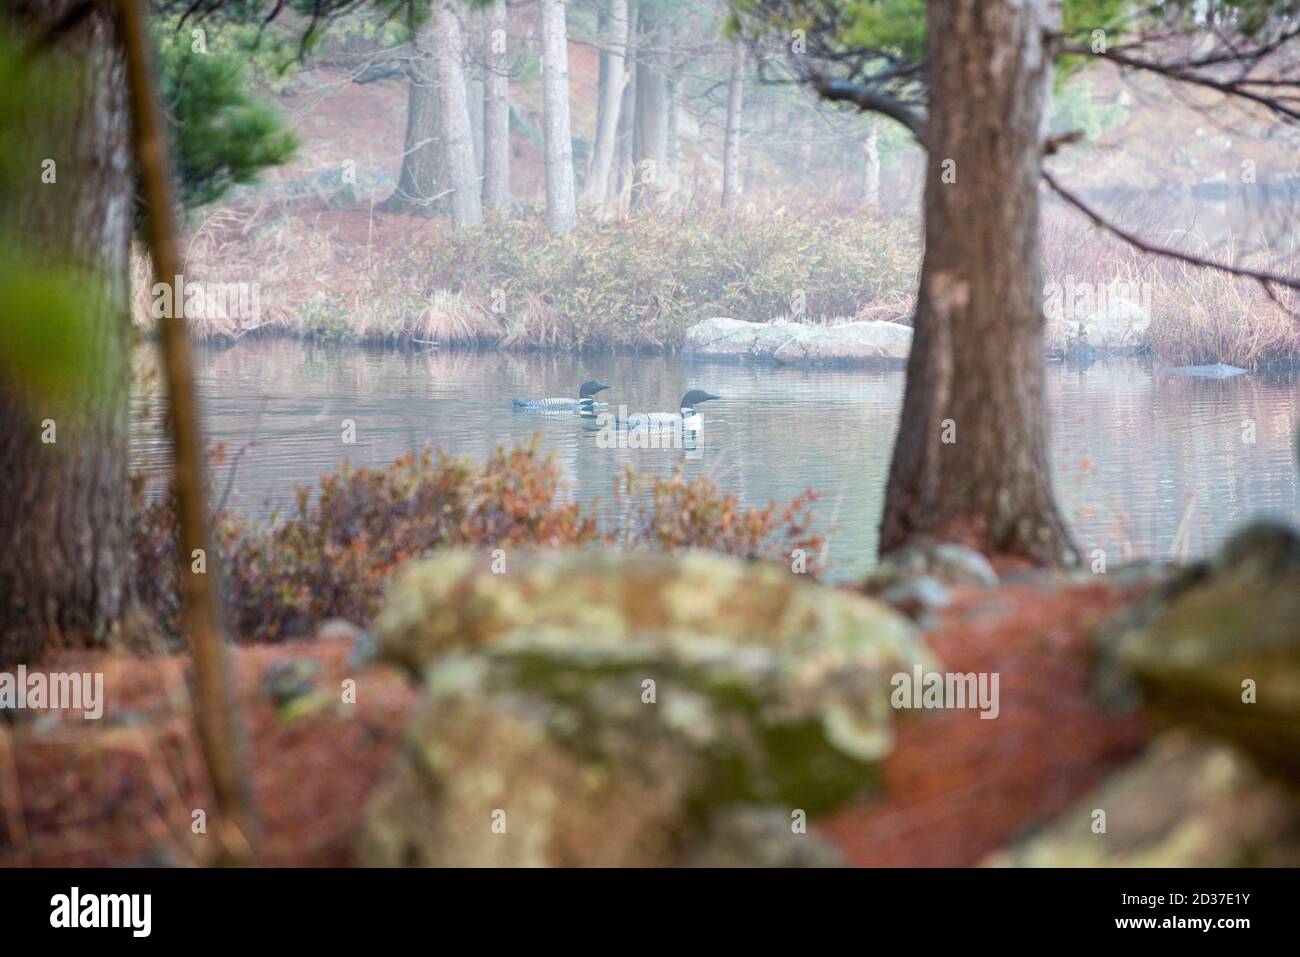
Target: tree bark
{"type": "Point", "coordinates": [422, 180]}
{"type": "Point", "coordinates": [731, 146]}
{"type": "Point", "coordinates": [621, 182]}
{"type": "Point", "coordinates": [971, 461]}
{"type": "Point", "coordinates": [650, 132]}
{"type": "Point", "coordinates": [496, 113]}
{"type": "Point", "coordinates": [220, 730]}
{"type": "Point", "coordinates": [65, 536]}
{"type": "Point", "coordinates": [673, 150]}
{"type": "Point", "coordinates": [465, 198]}
{"type": "Point", "coordinates": [474, 62]}
{"type": "Point", "coordinates": [614, 57]}
{"type": "Point", "coordinates": [561, 206]}
{"type": "Point", "coordinates": [476, 97]}
{"type": "Point", "coordinates": [602, 80]}
{"type": "Point", "coordinates": [871, 167]}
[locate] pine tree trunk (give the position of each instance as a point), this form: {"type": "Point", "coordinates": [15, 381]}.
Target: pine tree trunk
{"type": "Point", "coordinates": [465, 198]}
{"type": "Point", "coordinates": [474, 63]}
{"type": "Point", "coordinates": [871, 167]}
{"type": "Point", "coordinates": [731, 146]}
{"type": "Point", "coordinates": [496, 113]}
{"type": "Point", "coordinates": [65, 535]}
{"type": "Point", "coordinates": [602, 162]}
{"type": "Point", "coordinates": [971, 462]}
{"type": "Point", "coordinates": [621, 182]}
{"type": "Point", "coordinates": [650, 132]}
{"type": "Point", "coordinates": [602, 80]}
{"type": "Point", "coordinates": [422, 181]}
{"type": "Point", "coordinates": [672, 126]}
{"type": "Point", "coordinates": [561, 206]}
{"type": "Point", "coordinates": [476, 97]}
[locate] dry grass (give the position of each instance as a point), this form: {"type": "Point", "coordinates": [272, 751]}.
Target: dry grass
{"type": "Point", "coordinates": [1198, 316]}
{"type": "Point", "coordinates": [639, 283]}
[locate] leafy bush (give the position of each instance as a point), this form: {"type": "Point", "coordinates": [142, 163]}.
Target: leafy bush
{"type": "Point", "coordinates": [333, 557]}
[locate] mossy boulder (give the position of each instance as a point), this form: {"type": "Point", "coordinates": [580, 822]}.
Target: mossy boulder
{"type": "Point", "coordinates": [1187, 802]}
{"type": "Point", "coordinates": [603, 708]}
{"type": "Point", "coordinates": [1219, 648]}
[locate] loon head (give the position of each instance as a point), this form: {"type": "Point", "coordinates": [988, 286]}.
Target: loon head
{"type": "Point", "coordinates": [693, 398]}
{"type": "Point", "coordinates": [587, 396]}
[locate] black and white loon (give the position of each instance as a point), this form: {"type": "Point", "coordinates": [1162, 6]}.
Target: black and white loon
{"type": "Point", "coordinates": [585, 403]}
{"type": "Point", "coordinates": [687, 418]}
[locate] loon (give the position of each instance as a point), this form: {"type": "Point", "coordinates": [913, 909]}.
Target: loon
{"type": "Point", "coordinates": [688, 419]}
{"type": "Point", "coordinates": [584, 404]}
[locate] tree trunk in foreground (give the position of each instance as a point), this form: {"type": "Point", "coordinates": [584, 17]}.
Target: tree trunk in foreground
{"type": "Point", "coordinates": [65, 535]}
{"type": "Point", "coordinates": [731, 146]}
{"type": "Point", "coordinates": [971, 461]}
{"type": "Point", "coordinates": [465, 199]}
{"type": "Point", "coordinates": [602, 161]}
{"type": "Point", "coordinates": [561, 205]}
{"type": "Point", "coordinates": [496, 113]}
{"type": "Point", "coordinates": [421, 183]}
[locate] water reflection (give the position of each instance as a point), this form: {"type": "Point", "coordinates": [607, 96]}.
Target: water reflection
{"type": "Point", "coordinates": [1146, 464]}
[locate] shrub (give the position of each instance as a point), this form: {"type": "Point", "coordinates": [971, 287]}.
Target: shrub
{"type": "Point", "coordinates": [333, 557]}
{"type": "Point", "coordinates": [641, 282]}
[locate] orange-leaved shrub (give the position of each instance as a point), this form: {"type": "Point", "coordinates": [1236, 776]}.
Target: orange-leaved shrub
{"type": "Point", "coordinates": [333, 556]}
{"type": "Point", "coordinates": [675, 512]}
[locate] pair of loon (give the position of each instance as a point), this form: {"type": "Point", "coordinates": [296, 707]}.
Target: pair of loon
{"type": "Point", "coordinates": [585, 404]}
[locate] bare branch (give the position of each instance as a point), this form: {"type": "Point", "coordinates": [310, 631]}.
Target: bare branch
{"type": "Point", "coordinates": [1270, 281]}
{"type": "Point", "coordinates": [1186, 71]}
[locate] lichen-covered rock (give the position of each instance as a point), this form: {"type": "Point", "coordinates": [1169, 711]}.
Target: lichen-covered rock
{"type": "Point", "coordinates": [946, 563]}
{"type": "Point", "coordinates": [724, 338]}
{"type": "Point", "coordinates": [600, 708]}
{"type": "Point", "coordinates": [874, 343]}
{"type": "Point", "coordinates": [1119, 327]}
{"type": "Point", "coordinates": [287, 680]}
{"type": "Point", "coordinates": [1219, 646]}
{"type": "Point", "coordinates": [917, 598]}
{"type": "Point", "coordinates": [746, 836]}
{"type": "Point", "coordinates": [867, 343]}
{"type": "Point", "coordinates": [1187, 802]}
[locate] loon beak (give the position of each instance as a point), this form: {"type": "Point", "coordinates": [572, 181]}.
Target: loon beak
{"type": "Point", "coordinates": [709, 396]}
{"type": "Point", "coordinates": [600, 387]}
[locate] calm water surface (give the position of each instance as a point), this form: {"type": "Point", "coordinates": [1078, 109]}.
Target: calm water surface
{"type": "Point", "coordinates": [1145, 464]}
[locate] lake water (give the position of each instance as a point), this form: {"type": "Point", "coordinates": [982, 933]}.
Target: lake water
{"type": "Point", "coordinates": [1146, 465]}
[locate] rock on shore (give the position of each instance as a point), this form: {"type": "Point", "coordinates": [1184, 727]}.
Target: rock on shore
{"type": "Point", "coordinates": [1121, 328]}
{"type": "Point", "coordinates": [792, 343]}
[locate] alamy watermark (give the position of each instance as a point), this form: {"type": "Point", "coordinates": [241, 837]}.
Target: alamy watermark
{"type": "Point", "coordinates": [1076, 301]}
{"type": "Point", "coordinates": [922, 689]}
{"type": "Point", "coordinates": [133, 912]}
{"type": "Point", "coordinates": [240, 301]}
{"type": "Point", "coordinates": [57, 690]}
{"type": "Point", "coordinates": [662, 430]}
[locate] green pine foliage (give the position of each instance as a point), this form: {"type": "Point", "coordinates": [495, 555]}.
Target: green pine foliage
{"type": "Point", "coordinates": [222, 134]}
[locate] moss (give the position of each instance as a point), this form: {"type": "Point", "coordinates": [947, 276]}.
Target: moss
{"type": "Point", "coordinates": [779, 698]}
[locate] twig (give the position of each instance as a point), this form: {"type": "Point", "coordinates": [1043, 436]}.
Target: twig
{"type": "Point", "coordinates": [1268, 280]}
{"type": "Point", "coordinates": [11, 798]}
{"type": "Point", "coordinates": [220, 729]}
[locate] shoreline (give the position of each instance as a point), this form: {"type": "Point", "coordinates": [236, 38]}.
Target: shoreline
{"type": "Point", "coordinates": [1146, 355]}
